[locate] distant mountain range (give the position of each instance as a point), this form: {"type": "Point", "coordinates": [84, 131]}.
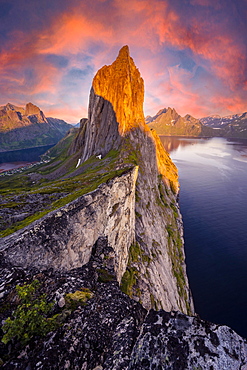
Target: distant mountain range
{"type": "Point", "coordinates": [168, 122]}
{"type": "Point", "coordinates": [22, 128]}
{"type": "Point", "coordinates": [234, 126]}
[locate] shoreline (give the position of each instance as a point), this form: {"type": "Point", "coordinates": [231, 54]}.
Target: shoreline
{"type": "Point", "coordinates": [21, 168]}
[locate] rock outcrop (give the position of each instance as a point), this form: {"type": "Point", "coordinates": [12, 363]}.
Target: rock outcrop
{"type": "Point", "coordinates": [157, 274]}
{"type": "Point", "coordinates": [28, 127]}
{"type": "Point", "coordinates": [115, 105]}
{"type": "Point", "coordinates": [64, 238]}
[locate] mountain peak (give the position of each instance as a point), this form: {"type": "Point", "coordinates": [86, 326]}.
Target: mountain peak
{"type": "Point", "coordinates": [121, 82]}
{"type": "Point", "coordinates": [9, 106]}
{"type": "Point", "coordinates": [124, 52]}
{"type": "Point", "coordinates": [31, 109]}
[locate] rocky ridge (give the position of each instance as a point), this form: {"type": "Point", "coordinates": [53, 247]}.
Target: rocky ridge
{"type": "Point", "coordinates": [168, 122]}
{"type": "Point", "coordinates": [28, 127]}
{"type": "Point", "coordinates": [63, 239]}
{"type": "Point", "coordinates": [153, 271]}
{"type": "Point", "coordinates": [157, 274]}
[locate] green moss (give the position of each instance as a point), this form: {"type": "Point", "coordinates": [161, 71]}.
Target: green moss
{"type": "Point", "coordinates": [146, 258]}
{"type": "Point", "coordinates": [131, 154]}
{"type": "Point", "coordinates": [129, 280]}
{"type": "Point", "coordinates": [175, 250]}
{"type": "Point", "coordinates": [162, 196]}
{"type": "Point", "coordinates": [137, 197]}
{"type": "Point", "coordinates": [32, 316]}
{"type": "Point", "coordinates": [170, 231]}
{"type": "Point", "coordinates": [138, 214]}
{"type": "Point", "coordinates": [104, 276]}
{"type": "Point", "coordinates": [154, 255]}
{"type": "Point", "coordinates": [78, 298]}
{"type": "Point", "coordinates": [153, 302]}
{"type": "Point", "coordinates": [155, 244]}
{"type": "Point", "coordinates": [21, 224]}
{"type": "Point", "coordinates": [175, 210]}
{"type": "Point", "coordinates": [11, 205]}
{"type": "Point", "coordinates": [14, 184]}
{"type": "Point", "coordinates": [134, 252]}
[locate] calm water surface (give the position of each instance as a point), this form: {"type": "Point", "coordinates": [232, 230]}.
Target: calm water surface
{"type": "Point", "coordinates": [213, 202]}
{"type": "Point", "coordinates": [20, 158]}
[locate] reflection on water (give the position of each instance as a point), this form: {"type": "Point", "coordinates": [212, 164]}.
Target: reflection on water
{"type": "Point", "coordinates": [213, 202]}
{"type": "Point", "coordinates": [173, 143]}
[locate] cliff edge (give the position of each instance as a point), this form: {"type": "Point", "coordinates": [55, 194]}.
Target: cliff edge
{"type": "Point", "coordinates": [156, 272]}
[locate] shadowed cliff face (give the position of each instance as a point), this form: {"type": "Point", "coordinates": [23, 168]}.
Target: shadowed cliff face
{"type": "Point", "coordinates": [100, 132]}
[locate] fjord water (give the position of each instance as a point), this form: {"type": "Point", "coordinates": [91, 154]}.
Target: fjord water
{"type": "Point", "coordinates": [22, 157]}
{"type": "Point", "coordinates": [213, 203]}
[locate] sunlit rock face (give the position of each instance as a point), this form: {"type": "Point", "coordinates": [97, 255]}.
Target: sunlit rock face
{"type": "Point", "coordinates": [115, 105]}
{"type": "Point", "coordinates": [12, 117]}
{"type": "Point", "coordinates": [33, 110]}
{"type": "Point", "coordinates": [122, 85]}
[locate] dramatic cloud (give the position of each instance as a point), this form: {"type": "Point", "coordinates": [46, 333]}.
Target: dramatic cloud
{"type": "Point", "coordinates": [192, 54]}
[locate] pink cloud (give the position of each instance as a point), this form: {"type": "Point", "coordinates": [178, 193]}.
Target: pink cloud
{"type": "Point", "coordinates": [66, 113]}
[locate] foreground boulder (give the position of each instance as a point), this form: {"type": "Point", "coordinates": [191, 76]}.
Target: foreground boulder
{"type": "Point", "coordinates": [111, 331]}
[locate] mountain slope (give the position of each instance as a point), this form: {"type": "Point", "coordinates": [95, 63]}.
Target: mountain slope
{"type": "Point", "coordinates": [28, 127]}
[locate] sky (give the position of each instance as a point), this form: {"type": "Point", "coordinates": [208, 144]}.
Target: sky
{"type": "Point", "coordinates": [191, 53]}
